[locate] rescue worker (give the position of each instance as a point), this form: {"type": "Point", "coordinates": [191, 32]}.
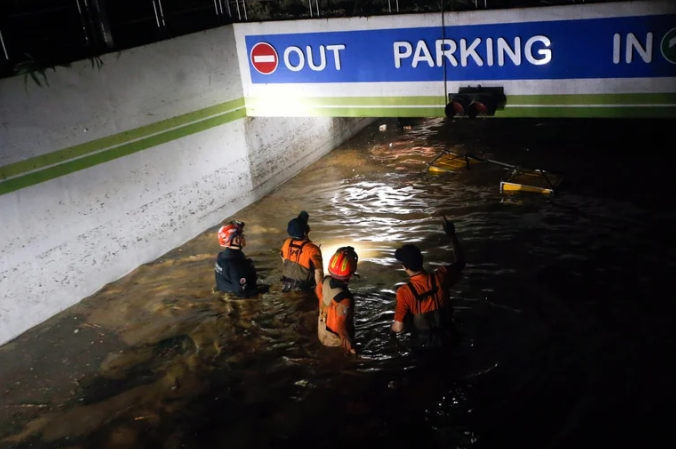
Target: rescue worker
{"type": "Point", "coordinates": [335, 326]}
{"type": "Point", "coordinates": [234, 272]}
{"type": "Point", "coordinates": [424, 303]}
{"type": "Point", "coordinates": [302, 263]}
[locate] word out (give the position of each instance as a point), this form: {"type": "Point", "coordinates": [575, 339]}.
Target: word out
{"type": "Point", "coordinates": [295, 57]}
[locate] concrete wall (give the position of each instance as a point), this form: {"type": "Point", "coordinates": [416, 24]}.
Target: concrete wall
{"type": "Point", "coordinates": [103, 171]}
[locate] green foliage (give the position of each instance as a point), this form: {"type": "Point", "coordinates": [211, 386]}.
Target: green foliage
{"type": "Point", "coordinates": [96, 62]}
{"type": "Point", "coordinates": [36, 70]}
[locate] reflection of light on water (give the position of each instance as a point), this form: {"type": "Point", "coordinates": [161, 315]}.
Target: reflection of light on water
{"type": "Point", "coordinates": [364, 250]}
{"type": "Point", "coordinates": [375, 218]}
{"type": "Point", "coordinates": [370, 197]}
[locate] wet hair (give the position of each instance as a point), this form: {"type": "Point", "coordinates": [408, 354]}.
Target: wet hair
{"type": "Point", "coordinates": [298, 227]}
{"type": "Point", "coordinates": [411, 256]}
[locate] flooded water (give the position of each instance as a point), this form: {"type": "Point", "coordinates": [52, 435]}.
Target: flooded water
{"type": "Point", "coordinates": [564, 312]}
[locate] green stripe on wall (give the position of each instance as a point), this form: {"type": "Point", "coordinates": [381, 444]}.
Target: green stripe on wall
{"type": "Point", "coordinates": [117, 152]}
{"type": "Point", "coordinates": [68, 160]}
{"type": "Point", "coordinates": [553, 99]}
{"type": "Point", "coordinates": [589, 112]}
{"type": "Point", "coordinates": [548, 112]}
{"type": "Point", "coordinates": [116, 139]}
{"type": "Point", "coordinates": [591, 99]}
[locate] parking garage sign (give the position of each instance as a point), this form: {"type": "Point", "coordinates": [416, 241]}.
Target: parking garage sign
{"type": "Point", "coordinates": [620, 47]}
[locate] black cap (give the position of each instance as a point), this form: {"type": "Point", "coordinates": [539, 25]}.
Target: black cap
{"type": "Point", "coordinates": [410, 256]}
{"type": "Point", "coordinates": [297, 228]}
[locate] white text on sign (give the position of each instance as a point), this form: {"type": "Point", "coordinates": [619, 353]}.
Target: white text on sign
{"type": "Point", "coordinates": [487, 51]}
{"type": "Point", "coordinates": [632, 44]}
{"type": "Point", "coordinates": [297, 63]}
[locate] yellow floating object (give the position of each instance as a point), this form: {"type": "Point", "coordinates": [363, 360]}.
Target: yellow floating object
{"type": "Point", "coordinates": [517, 179]}
{"type": "Point", "coordinates": [450, 162]}
{"type": "Point", "coordinates": [526, 180]}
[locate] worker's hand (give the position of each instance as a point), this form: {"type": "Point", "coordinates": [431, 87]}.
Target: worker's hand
{"type": "Point", "coordinates": [449, 227]}
{"type": "Point", "coordinates": [397, 327]}
{"type": "Point", "coordinates": [349, 348]}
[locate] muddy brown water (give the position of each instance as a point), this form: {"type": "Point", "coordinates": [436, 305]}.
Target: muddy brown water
{"type": "Point", "coordinates": [565, 322]}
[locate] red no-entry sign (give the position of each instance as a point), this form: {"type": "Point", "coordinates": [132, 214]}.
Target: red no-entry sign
{"type": "Point", "coordinates": [264, 58]}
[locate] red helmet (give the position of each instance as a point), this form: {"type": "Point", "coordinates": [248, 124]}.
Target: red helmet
{"type": "Point", "coordinates": [343, 263]}
{"type": "Point", "coordinates": [227, 235]}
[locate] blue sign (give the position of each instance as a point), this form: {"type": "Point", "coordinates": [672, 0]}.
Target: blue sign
{"type": "Point", "coordinates": [621, 47]}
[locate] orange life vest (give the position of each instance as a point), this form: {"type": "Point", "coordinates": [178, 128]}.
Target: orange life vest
{"type": "Point", "coordinates": [328, 312]}
{"type": "Point", "coordinates": [292, 267]}
{"type": "Point", "coordinates": [430, 328]}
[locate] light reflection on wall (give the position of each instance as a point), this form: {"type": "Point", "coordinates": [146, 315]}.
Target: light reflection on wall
{"type": "Point", "coordinates": [286, 102]}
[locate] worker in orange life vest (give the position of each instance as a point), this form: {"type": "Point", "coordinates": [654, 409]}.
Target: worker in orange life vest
{"type": "Point", "coordinates": [424, 303]}
{"type": "Point", "coordinates": [335, 325]}
{"type": "Point", "coordinates": [302, 263]}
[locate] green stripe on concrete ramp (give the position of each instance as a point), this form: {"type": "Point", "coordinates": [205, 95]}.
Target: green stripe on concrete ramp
{"type": "Point", "coordinates": [125, 149]}
{"type": "Point", "coordinates": [65, 154]}
{"type": "Point", "coordinates": [68, 160]}
{"type": "Point", "coordinates": [553, 99]}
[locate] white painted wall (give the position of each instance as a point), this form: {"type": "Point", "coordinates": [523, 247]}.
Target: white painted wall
{"type": "Point", "coordinates": [65, 238]}
{"type": "Point", "coordinates": [285, 146]}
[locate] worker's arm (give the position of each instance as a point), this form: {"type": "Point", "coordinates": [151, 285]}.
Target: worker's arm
{"type": "Point", "coordinates": [343, 321]}
{"type": "Point", "coordinates": [318, 263]}
{"type": "Point", "coordinates": [319, 289]}
{"type": "Point", "coordinates": [458, 252]}
{"type": "Point", "coordinates": [397, 327]}
{"type": "Point", "coordinates": [319, 276]}
{"type": "Point", "coordinates": [400, 310]}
